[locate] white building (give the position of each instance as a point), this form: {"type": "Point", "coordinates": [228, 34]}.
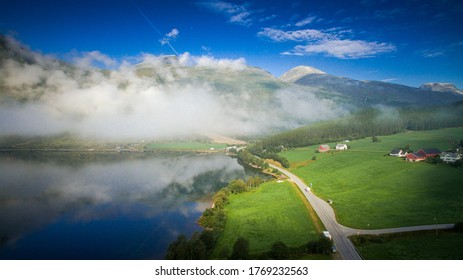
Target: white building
{"type": "Point", "coordinates": [341, 147]}
{"type": "Point", "coordinates": [450, 157]}
{"type": "Point", "coordinates": [398, 153]}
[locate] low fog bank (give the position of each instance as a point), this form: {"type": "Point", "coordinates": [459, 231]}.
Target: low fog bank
{"type": "Point", "coordinates": [147, 96]}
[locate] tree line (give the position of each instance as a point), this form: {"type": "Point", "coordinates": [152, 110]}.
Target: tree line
{"type": "Point", "coordinates": [364, 123]}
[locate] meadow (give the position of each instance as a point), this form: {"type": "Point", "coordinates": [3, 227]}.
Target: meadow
{"type": "Point", "coordinates": [370, 189]}
{"type": "Point", "coordinates": [270, 213]}
{"type": "Point", "coordinates": [427, 245]}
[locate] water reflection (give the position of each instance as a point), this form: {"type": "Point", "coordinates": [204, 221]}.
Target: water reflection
{"type": "Point", "coordinates": [104, 209]}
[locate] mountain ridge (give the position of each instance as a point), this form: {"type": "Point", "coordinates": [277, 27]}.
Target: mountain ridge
{"type": "Point", "coordinates": [298, 72]}
{"type": "Point", "coordinates": [365, 93]}
{"type": "Point", "coordinates": [441, 87]}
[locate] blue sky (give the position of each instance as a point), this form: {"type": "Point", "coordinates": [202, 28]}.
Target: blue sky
{"type": "Point", "coordinates": [408, 42]}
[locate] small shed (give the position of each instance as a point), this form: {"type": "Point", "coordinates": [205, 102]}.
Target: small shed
{"type": "Point", "coordinates": [323, 148]}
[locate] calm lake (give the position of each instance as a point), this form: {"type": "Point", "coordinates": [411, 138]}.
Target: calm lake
{"type": "Point", "coordinates": [116, 206]}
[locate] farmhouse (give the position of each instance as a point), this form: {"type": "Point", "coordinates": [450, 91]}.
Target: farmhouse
{"type": "Point", "coordinates": [450, 157]}
{"type": "Point", "coordinates": [340, 147]}
{"type": "Point", "coordinates": [423, 154]}
{"type": "Point", "coordinates": [415, 157]}
{"type": "Point", "coordinates": [398, 153]}
{"type": "Point", "coordinates": [323, 148]}
{"type": "Point", "coordinates": [430, 152]}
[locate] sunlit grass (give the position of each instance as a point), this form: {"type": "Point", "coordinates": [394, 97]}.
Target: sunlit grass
{"type": "Point", "coordinates": [372, 190]}
{"type": "Point", "coordinates": [273, 212]}
{"type": "Point", "coordinates": [414, 246]}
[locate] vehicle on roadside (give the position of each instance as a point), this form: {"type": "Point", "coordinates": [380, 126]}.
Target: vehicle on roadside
{"type": "Point", "coordinates": [327, 234]}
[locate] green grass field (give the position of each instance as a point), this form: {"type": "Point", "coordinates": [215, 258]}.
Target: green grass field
{"type": "Point", "coordinates": [273, 212]}
{"type": "Point", "coordinates": [414, 246]}
{"type": "Point", "coordinates": [369, 188]}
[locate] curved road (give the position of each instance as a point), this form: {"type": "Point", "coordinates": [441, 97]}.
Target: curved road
{"type": "Point", "coordinates": [340, 233]}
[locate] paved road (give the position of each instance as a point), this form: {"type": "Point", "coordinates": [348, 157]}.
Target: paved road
{"type": "Point", "coordinates": [340, 233]}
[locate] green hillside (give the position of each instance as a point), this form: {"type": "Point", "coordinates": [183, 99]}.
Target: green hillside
{"type": "Point", "coordinates": [368, 122]}
{"type": "Point", "coordinates": [427, 245]}
{"type": "Point", "coordinates": [371, 189]}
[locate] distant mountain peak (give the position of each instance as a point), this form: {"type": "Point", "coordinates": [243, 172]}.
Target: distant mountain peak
{"type": "Point", "coordinates": [442, 87]}
{"type": "Point", "coordinates": [298, 72]}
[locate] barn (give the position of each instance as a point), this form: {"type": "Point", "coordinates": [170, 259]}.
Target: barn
{"type": "Point", "coordinates": [430, 152]}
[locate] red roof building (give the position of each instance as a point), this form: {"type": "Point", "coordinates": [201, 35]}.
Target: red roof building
{"type": "Point", "coordinates": [323, 148]}
{"type": "Point", "coordinates": [415, 157]}
{"type": "Point", "coordinates": [430, 152]}
{"type": "Point", "coordinates": [423, 154]}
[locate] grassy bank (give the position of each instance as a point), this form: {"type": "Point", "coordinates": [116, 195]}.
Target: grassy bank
{"type": "Point", "coordinates": [265, 215]}
{"type": "Point", "coordinates": [74, 143]}
{"type": "Point", "coordinates": [184, 146]}
{"type": "Point", "coordinates": [369, 188]}
{"type": "Point", "coordinates": [446, 245]}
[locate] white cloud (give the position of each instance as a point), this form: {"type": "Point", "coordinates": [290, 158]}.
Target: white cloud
{"type": "Point", "coordinates": [208, 61]}
{"type": "Point", "coordinates": [238, 14]}
{"type": "Point", "coordinates": [346, 49]}
{"type": "Point", "coordinates": [306, 21]}
{"type": "Point", "coordinates": [329, 42]}
{"type": "Point", "coordinates": [278, 35]}
{"type": "Point", "coordinates": [431, 53]}
{"type": "Point", "coordinates": [292, 53]}
{"type": "Point", "coordinates": [241, 18]}
{"type": "Point", "coordinates": [268, 18]}
{"type": "Point", "coordinates": [23, 74]}
{"type": "Point", "coordinates": [172, 35]}
{"type": "Point", "coordinates": [149, 97]}
{"type": "Point", "coordinates": [93, 58]}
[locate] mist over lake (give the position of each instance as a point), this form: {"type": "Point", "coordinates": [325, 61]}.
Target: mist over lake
{"type": "Point", "coordinates": [110, 207]}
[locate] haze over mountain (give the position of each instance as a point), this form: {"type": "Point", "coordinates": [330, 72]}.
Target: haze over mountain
{"type": "Point", "coordinates": [147, 96]}
{"type": "Point", "coordinates": [159, 97]}
{"type": "Point", "coordinates": [368, 93]}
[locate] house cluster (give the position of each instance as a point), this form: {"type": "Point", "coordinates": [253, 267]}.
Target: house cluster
{"type": "Point", "coordinates": [326, 148]}
{"type": "Point", "coordinates": [234, 149]}
{"type": "Point", "coordinates": [425, 153]}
